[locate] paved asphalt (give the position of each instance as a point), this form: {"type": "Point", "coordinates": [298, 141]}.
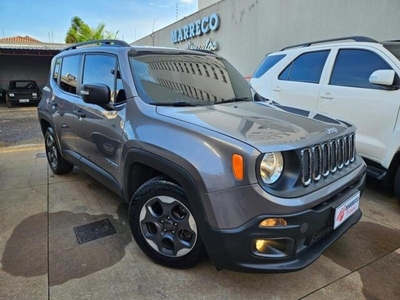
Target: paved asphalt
{"type": "Point", "coordinates": [19, 126]}
{"type": "Point", "coordinates": [42, 259]}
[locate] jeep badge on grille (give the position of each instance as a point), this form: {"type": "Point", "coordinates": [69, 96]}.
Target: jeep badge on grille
{"type": "Point", "coordinates": [331, 130]}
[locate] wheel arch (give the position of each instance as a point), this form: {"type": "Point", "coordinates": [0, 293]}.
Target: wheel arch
{"type": "Point", "coordinates": [44, 124]}
{"type": "Point", "coordinates": [394, 165]}
{"type": "Point", "coordinates": [141, 165]}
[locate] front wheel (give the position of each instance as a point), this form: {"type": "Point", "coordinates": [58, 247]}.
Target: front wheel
{"type": "Point", "coordinates": [163, 225]}
{"type": "Point", "coordinates": [8, 103]}
{"type": "Point", "coordinates": [57, 163]}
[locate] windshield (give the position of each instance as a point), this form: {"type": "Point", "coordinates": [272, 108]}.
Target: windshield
{"type": "Point", "coordinates": [183, 78]}
{"type": "Point", "coordinates": [394, 48]}
{"type": "Point", "coordinates": [22, 85]}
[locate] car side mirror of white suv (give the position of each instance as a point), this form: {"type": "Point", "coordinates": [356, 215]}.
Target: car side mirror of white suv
{"type": "Point", "coordinates": [382, 77]}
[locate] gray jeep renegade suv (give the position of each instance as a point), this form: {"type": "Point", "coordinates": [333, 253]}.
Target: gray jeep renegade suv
{"type": "Point", "coordinates": [204, 164]}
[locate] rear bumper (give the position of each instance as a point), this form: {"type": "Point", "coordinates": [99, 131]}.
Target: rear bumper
{"type": "Point", "coordinates": [306, 236]}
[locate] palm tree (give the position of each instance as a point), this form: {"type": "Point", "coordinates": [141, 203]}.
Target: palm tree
{"type": "Point", "coordinates": [82, 32]}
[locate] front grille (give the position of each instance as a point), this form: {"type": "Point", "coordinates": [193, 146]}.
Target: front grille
{"type": "Point", "coordinates": [324, 159]}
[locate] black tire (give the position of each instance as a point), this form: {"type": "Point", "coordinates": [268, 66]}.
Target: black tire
{"type": "Point", "coordinates": [56, 162]}
{"type": "Point", "coordinates": [9, 104]}
{"type": "Point", "coordinates": [163, 225]}
{"type": "Point", "coordinates": [396, 184]}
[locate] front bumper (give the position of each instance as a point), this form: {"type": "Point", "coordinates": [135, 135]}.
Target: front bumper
{"type": "Point", "coordinates": [309, 233]}
{"type": "Point", "coordinates": [21, 99]}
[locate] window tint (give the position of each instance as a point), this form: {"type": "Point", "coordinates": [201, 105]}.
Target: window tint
{"type": "Point", "coordinates": [102, 69]}
{"type": "Point", "coordinates": [306, 68]}
{"type": "Point", "coordinates": [69, 73]}
{"type": "Point", "coordinates": [268, 62]}
{"type": "Point", "coordinates": [56, 71]}
{"type": "Point", "coordinates": [354, 66]}
{"type": "Point", "coordinates": [197, 79]}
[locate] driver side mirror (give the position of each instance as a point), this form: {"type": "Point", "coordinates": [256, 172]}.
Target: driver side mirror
{"type": "Point", "coordinates": [382, 77]}
{"type": "Point", "coordinates": [96, 93]}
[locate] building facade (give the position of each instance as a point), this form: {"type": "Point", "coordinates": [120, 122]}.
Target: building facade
{"type": "Point", "coordinates": [245, 31]}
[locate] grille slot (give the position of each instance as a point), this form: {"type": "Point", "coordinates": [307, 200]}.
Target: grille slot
{"type": "Point", "coordinates": [327, 158]}
{"type": "Point", "coordinates": [317, 162]}
{"type": "Point", "coordinates": [306, 166]}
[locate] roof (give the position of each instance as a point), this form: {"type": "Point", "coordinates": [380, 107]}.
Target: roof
{"type": "Point", "coordinates": [20, 39]}
{"type": "Point", "coordinates": [27, 45]}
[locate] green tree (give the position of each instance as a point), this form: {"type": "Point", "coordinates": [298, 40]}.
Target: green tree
{"type": "Point", "coordinates": [79, 31]}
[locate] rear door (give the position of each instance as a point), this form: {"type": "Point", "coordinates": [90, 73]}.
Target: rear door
{"type": "Point", "coordinates": [348, 95]}
{"type": "Point", "coordinates": [64, 94]}
{"type": "Point", "coordinates": [298, 83]}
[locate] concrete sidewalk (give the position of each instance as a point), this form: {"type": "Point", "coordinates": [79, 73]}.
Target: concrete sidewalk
{"type": "Point", "coordinates": [42, 259]}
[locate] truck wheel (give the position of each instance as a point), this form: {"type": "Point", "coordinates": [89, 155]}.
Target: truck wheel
{"type": "Point", "coordinates": [397, 184]}
{"type": "Point", "coordinates": [56, 162]}
{"type": "Point", "coordinates": [9, 104]}
{"type": "Point", "coordinates": [163, 225]}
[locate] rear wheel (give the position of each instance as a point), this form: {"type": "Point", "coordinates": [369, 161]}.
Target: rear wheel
{"type": "Point", "coordinates": [163, 225]}
{"type": "Point", "coordinates": [56, 162]}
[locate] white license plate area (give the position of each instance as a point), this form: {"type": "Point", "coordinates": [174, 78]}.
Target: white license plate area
{"type": "Point", "coordinates": [346, 209]}
{"type": "Point", "coordinates": [23, 100]}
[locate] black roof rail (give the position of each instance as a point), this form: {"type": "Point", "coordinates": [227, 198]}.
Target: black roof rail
{"type": "Point", "coordinates": [391, 41]}
{"type": "Point", "coordinates": [354, 38]}
{"type": "Point", "coordinates": [117, 43]}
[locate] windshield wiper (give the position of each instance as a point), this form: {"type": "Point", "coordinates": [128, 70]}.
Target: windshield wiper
{"type": "Point", "coordinates": [175, 103]}
{"type": "Point", "coordinates": [234, 99]}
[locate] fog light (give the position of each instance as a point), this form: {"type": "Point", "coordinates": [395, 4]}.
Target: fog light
{"type": "Point", "coordinates": [271, 222]}
{"type": "Point", "coordinates": [273, 247]}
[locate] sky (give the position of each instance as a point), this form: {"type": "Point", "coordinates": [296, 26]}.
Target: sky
{"type": "Point", "coordinates": [49, 20]}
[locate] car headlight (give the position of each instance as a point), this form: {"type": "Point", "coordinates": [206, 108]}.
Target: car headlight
{"type": "Point", "coordinates": [11, 94]}
{"type": "Point", "coordinates": [34, 95]}
{"type": "Point", "coordinates": [271, 167]}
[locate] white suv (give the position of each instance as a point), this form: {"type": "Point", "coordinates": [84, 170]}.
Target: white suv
{"type": "Point", "coordinates": [351, 78]}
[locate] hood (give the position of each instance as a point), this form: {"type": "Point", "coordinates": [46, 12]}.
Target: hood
{"type": "Point", "coordinates": [264, 126]}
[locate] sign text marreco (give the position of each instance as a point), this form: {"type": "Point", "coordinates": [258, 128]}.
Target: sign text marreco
{"type": "Point", "coordinates": [197, 28]}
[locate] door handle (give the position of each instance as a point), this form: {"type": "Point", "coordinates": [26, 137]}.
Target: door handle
{"type": "Point", "coordinates": [327, 96]}
{"type": "Point", "coordinates": [79, 114]}
{"type": "Point", "coordinates": [276, 89]}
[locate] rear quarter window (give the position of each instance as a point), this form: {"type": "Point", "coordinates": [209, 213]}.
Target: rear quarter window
{"type": "Point", "coordinates": [268, 62]}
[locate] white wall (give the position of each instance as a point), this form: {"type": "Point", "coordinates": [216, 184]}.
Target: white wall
{"type": "Point", "coordinates": [252, 28]}
{"type": "Point", "coordinates": [205, 3]}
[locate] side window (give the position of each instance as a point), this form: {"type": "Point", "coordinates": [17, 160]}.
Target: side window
{"type": "Point", "coordinates": [268, 62]}
{"type": "Point", "coordinates": [354, 66]}
{"type": "Point", "coordinates": [306, 67]}
{"type": "Point", "coordinates": [69, 73]}
{"type": "Point", "coordinates": [100, 68]}
{"type": "Point", "coordinates": [56, 71]}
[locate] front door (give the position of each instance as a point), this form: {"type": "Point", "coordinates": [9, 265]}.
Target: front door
{"type": "Point", "coordinates": [100, 129]}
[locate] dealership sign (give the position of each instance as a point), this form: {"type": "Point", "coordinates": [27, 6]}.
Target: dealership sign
{"type": "Point", "coordinates": [209, 45]}
{"type": "Point", "coordinates": [197, 28]}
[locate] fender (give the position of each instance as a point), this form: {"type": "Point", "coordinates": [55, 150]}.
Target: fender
{"type": "Point", "coordinates": [186, 181]}
{"type": "Point", "coordinates": [168, 168]}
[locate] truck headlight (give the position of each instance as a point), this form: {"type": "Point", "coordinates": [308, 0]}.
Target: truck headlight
{"type": "Point", "coordinates": [271, 167]}
{"type": "Point", "coordinates": [11, 94]}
